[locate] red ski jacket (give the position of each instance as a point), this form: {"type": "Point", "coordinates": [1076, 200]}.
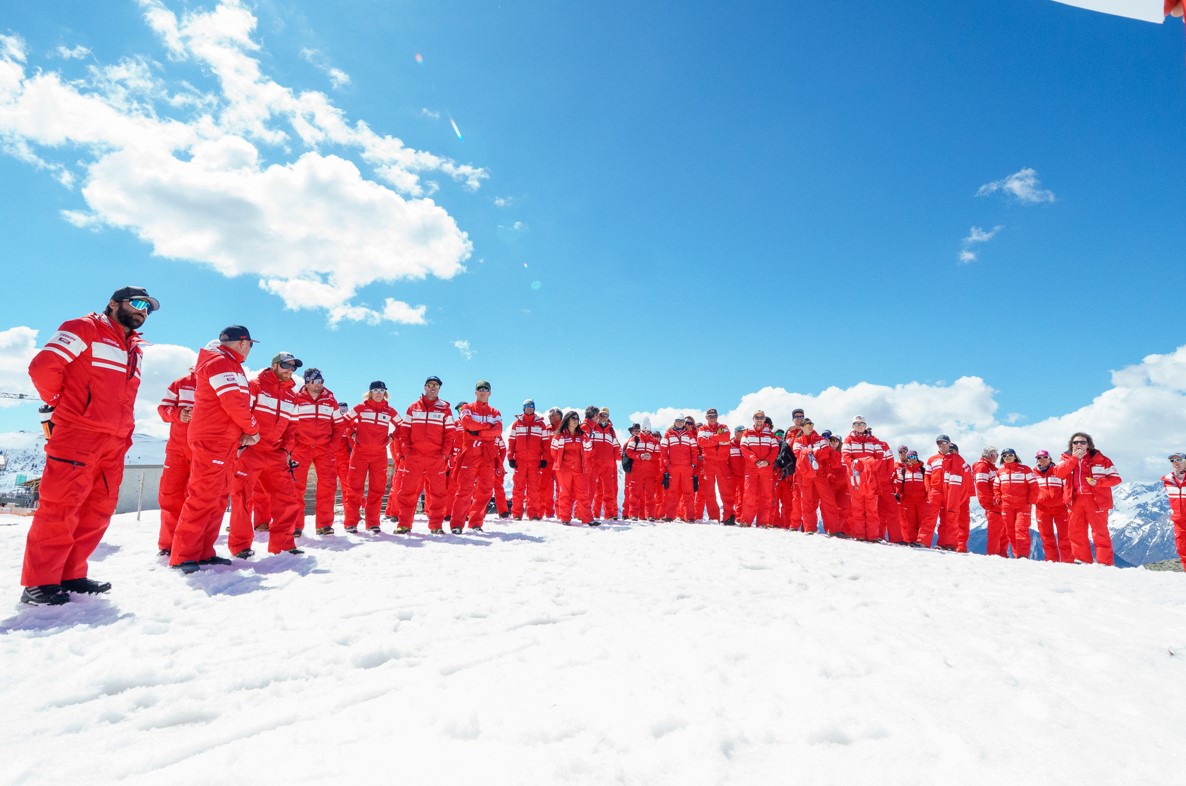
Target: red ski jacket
{"type": "Point", "coordinates": [319, 420]}
{"type": "Point", "coordinates": [864, 476]}
{"type": "Point", "coordinates": [372, 425]}
{"type": "Point", "coordinates": [222, 397]}
{"type": "Point", "coordinates": [1175, 489]}
{"type": "Point", "coordinates": [714, 443]}
{"type": "Point", "coordinates": [1015, 484]}
{"type": "Point", "coordinates": [759, 445]}
{"type": "Point", "coordinates": [858, 446]}
{"type": "Point", "coordinates": [643, 448]}
{"type": "Point", "coordinates": [1050, 491]}
{"type": "Point", "coordinates": [527, 439]}
{"type": "Point", "coordinates": [910, 481]}
{"type": "Point", "coordinates": [984, 474]}
{"type": "Point", "coordinates": [274, 408]}
{"type": "Point", "coordinates": [571, 451]}
{"type": "Point", "coordinates": [1076, 471]}
{"type": "Point", "coordinates": [178, 396]}
{"type": "Point", "coordinates": [428, 428]}
{"type": "Point", "coordinates": [814, 455]}
{"type": "Point", "coordinates": [679, 449]}
{"type": "Point", "coordinates": [479, 425]}
{"type": "Point", "coordinates": [89, 371]}
{"type": "Point", "coordinates": [604, 441]}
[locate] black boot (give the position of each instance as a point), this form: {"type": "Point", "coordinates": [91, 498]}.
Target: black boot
{"type": "Point", "coordinates": [45, 595]}
{"type": "Point", "coordinates": [86, 586]}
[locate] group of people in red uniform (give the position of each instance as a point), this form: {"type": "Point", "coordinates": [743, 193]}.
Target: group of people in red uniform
{"type": "Point", "coordinates": [253, 442]}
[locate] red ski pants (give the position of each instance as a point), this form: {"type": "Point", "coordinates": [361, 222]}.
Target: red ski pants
{"type": "Point", "coordinates": [79, 492]}
{"type": "Point", "coordinates": [998, 536]}
{"type": "Point", "coordinates": [759, 490]}
{"type": "Point", "coordinates": [268, 467]}
{"type": "Point", "coordinates": [1085, 514]}
{"type": "Point", "coordinates": [1017, 528]}
{"type": "Point", "coordinates": [605, 474]}
{"type": "Point", "coordinates": [212, 465]}
{"type": "Point", "coordinates": [572, 497]}
{"type": "Point", "coordinates": [679, 490]}
{"type": "Point", "coordinates": [367, 470]}
{"type": "Point", "coordinates": [1180, 538]}
{"type": "Point", "coordinates": [527, 492]}
{"type": "Point", "coordinates": [473, 486]}
{"type": "Point", "coordinates": [171, 493]}
{"type": "Point", "coordinates": [427, 474]}
{"type": "Point", "coordinates": [1054, 529]}
{"type": "Point", "coordinates": [863, 520]}
{"type": "Point", "coordinates": [323, 458]}
{"type": "Point", "coordinates": [914, 515]}
{"type": "Point", "coordinates": [646, 478]}
{"type": "Point", "coordinates": [887, 511]}
{"type": "Point", "coordinates": [817, 494]}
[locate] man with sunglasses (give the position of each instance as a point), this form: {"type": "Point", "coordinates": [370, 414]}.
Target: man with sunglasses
{"type": "Point", "coordinates": [1175, 489]}
{"type": "Point", "coordinates": [269, 463]}
{"type": "Point", "coordinates": [88, 374]}
{"type": "Point", "coordinates": [1088, 477]}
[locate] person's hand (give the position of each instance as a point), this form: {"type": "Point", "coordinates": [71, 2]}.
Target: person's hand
{"type": "Point", "coordinates": [1090, 481]}
{"type": "Point", "coordinates": [1080, 451]}
{"type": "Point", "coordinates": [248, 439]}
{"type": "Point", "coordinates": [543, 463]}
{"type": "Point", "coordinates": [645, 456]}
{"type": "Point", "coordinates": [186, 414]}
{"type": "Point", "coordinates": [513, 463]}
{"type": "Point", "coordinates": [762, 464]}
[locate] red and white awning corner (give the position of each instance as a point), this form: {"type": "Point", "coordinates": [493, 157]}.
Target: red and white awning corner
{"type": "Point", "coordinates": [1145, 10]}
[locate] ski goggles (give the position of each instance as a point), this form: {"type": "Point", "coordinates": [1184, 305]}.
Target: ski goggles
{"type": "Point", "coordinates": [140, 304]}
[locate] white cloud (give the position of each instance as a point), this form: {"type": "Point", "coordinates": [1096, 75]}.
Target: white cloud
{"type": "Point", "coordinates": [163, 363]}
{"type": "Point", "coordinates": [430, 113]}
{"type": "Point", "coordinates": [235, 178]}
{"type": "Point", "coordinates": [503, 201]}
{"type": "Point", "coordinates": [1136, 422]}
{"type": "Point", "coordinates": [73, 53]}
{"type": "Point", "coordinates": [18, 345]}
{"type": "Point", "coordinates": [976, 236]}
{"type": "Point", "coordinates": [337, 77]}
{"type": "Point", "coordinates": [462, 347]}
{"type": "Point", "coordinates": [1022, 185]}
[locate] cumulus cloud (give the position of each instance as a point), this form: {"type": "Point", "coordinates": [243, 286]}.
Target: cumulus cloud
{"type": "Point", "coordinates": [1022, 186]}
{"type": "Point", "coordinates": [163, 363]}
{"type": "Point", "coordinates": [1136, 422]}
{"type": "Point", "coordinates": [73, 52]}
{"type": "Point", "coordinates": [501, 201]}
{"type": "Point", "coordinates": [337, 77]}
{"type": "Point", "coordinates": [237, 177]}
{"type": "Point", "coordinates": [463, 348]}
{"type": "Point", "coordinates": [17, 347]}
{"type": "Point", "coordinates": [976, 236]}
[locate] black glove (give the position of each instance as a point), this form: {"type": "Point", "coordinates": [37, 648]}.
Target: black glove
{"type": "Point", "coordinates": [666, 480]}
{"type": "Point", "coordinates": [897, 496]}
{"type": "Point", "coordinates": [543, 463]}
{"type": "Point", "coordinates": [293, 463]}
{"type": "Point", "coordinates": [695, 483]}
{"type": "Point", "coordinates": [512, 463]}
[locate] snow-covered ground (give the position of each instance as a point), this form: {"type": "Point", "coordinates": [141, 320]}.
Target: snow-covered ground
{"type": "Point", "coordinates": [536, 653]}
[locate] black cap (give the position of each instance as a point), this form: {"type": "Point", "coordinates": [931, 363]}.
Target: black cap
{"type": "Point", "coordinates": [635, 426]}
{"type": "Point", "coordinates": [434, 379]}
{"type": "Point", "coordinates": [795, 412]}
{"type": "Point", "coordinates": [133, 293]}
{"type": "Point", "coordinates": [236, 333]}
{"type": "Point", "coordinates": [378, 385]}
{"type": "Point", "coordinates": [287, 357]}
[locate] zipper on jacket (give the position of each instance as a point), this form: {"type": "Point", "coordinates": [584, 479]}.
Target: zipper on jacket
{"type": "Point", "coordinates": [66, 461]}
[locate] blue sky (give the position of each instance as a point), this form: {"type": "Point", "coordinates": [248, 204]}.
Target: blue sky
{"type": "Point", "coordinates": [676, 205]}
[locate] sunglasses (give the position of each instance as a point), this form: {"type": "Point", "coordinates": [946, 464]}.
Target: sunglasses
{"type": "Point", "coordinates": [1177, 460]}
{"type": "Point", "coordinates": [1079, 442]}
{"type": "Point", "coordinates": [141, 305]}
{"type": "Point", "coordinates": [289, 365]}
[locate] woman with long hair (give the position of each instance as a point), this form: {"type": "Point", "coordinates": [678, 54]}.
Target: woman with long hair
{"type": "Point", "coordinates": [570, 455]}
{"type": "Point", "coordinates": [1088, 477]}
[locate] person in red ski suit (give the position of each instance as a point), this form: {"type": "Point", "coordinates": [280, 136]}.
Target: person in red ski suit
{"type": "Point", "coordinates": [678, 452]}
{"type": "Point", "coordinates": [88, 373]}
{"type": "Point", "coordinates": [759, 448]}
{"type": "Point", "coordinates": [1051, 511]}
{"type": "Point", "coordinates": [1015, 490]}
{"type": "Point", "coordinates": [1175, 489]}
{"type": "Point", "coordinates": [814, 458]}
{"type": "Point", "coordinates": [372, 425]}
{"type": "Point", "coordinates": [269, 462]}
{"type": "Point", "coordinates": [984, 474]}
{"type": "Point", "coordinates": [570, 452]}
{"type": "Point", "coordinates": [319, 426]}
{"type": "Point", "coordinates": [395, 449]}
{"type": "Point", "coordinates": [342, 448]}
{"type": "Point", "coordinates": [479, 428]}
{"type": "Point", "coordinates": [713, 439]}
{"type": "Point", "coordinates": [1088, 477]}
{"type": "Point", "coordinates": [957, 491]}
{"type": "Point", "coordinates": [864, 488]}
{"type": "Point", "coordinates": [737, 465]}
{"type": "Point", "coordinates": [501, 503]}
{"type": "Point", "coordinates": [221, 424]}
{"type": "Point", "coordinates": [175, 408]}
{"type": "Point", "coordinates": [910, 486]}
{"type": "Point", "coordinates": [644, 449]}
{"type": "Point", "coordinates": [605, 453]}
{"type": "Point", "coordinates": [887, 504]}
{"type": "Point", "coordinates": [527, 458]}
{"type": "Point", "coordinates": [628, 490]}
{"type": "Point", "coordinates": [428, 435]}
{"type": "Point", "coordinates": [547, 482]}
{"type": "Point", "coordinates": [937, 491]}
{"type": "Point", "coordinates": [838, 478]}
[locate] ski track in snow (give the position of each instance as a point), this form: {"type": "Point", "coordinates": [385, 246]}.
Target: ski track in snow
{"type": "Point", "coordinates": [638, 654]}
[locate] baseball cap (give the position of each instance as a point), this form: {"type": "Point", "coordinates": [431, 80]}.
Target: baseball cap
{"type": "Point", "coordinates": [942, 438]}
{"type": "Point", "coordinates": [236, 333]}
{"type": "Point", "coordinates": [635, 427]}
{"type": "Point", "coordinates": [1042, 454]}
{"type": "Point", "coordinates": [378, 384]}
{"type": "Point", "coordinates": [712, 411]}
{"type": "Point", "coordinates": [136, 293]}
{"type": "Point", "coordinates": [286, 357]}
{"type": "Point", "coordinates": [796, 412]}
{"type": "Point", "coordinates": [603, 411]}
{"type": "Point", "coordinates": [482, 384]}
{"type": "Point", "coordinates": [434, 379]}
{"type": "Point", "coordinates": [1177, 455]}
